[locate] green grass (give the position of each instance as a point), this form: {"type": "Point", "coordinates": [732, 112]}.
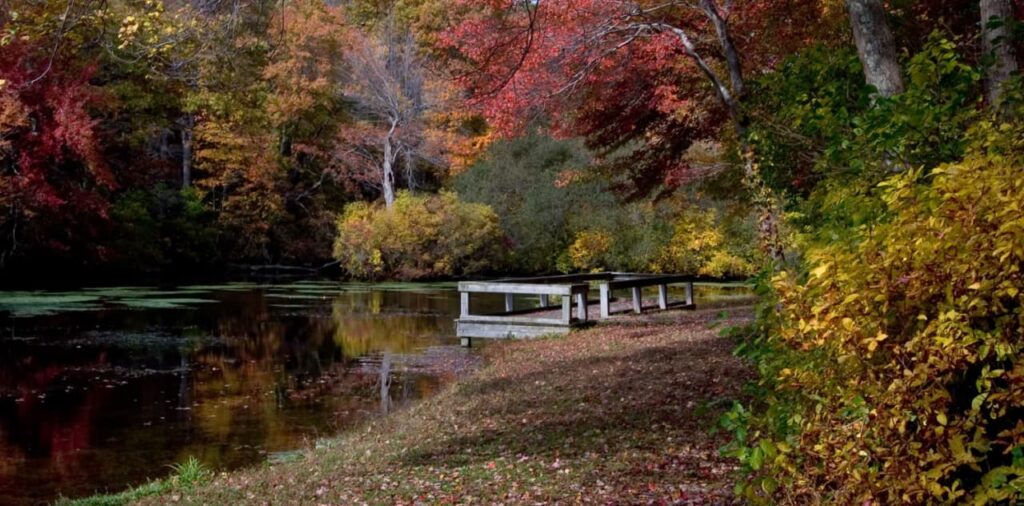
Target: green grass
{"type": "Point", "coordinates": [186, 476]}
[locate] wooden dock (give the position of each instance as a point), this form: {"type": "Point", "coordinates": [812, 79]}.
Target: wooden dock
{"type": "Point", "coordinates": [573, 310]}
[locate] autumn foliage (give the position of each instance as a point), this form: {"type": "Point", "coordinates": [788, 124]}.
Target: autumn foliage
{"type": "Point", "coordinates": [421, 236]}
{"type": "Point", "coordinates": [55, 178]}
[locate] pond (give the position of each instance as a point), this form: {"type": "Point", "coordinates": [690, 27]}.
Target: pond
{"type": "Point", "coordinates": [104, 388]}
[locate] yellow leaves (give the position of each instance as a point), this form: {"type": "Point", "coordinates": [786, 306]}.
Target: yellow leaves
{"type": "Point", "coordinates": [821, 270]}
{"type": "Point", "coordinates": [420, 236]}
{"type": "Point", "coordinates": [588, 250]}
{"type": "Point", "coordinates": [848, 324]}
{"type": "Point", "coordinates": [872, 342]}
{"type": "Point", "coordinates": [699, 246]}
{"type": "Point", "coordinates": [936, 287]}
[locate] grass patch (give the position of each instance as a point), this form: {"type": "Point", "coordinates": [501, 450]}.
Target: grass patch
{"type": "Point", "coordinates": [185, 477]}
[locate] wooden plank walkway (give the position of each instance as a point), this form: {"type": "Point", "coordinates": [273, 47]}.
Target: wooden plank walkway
{"type": "Point", "coordinates": [573, 290]}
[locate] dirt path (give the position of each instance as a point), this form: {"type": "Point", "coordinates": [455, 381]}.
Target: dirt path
{"type": "Point", "coordinates": [617, 414]}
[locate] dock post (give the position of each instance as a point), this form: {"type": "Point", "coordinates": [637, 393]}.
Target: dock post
{"type": "Point", "coordinates": [605, 300]}
{"type": "Point", "coordinates": [663, 296]}
{"type": "Point", "coordinates": [463, 304]}
{"type": "Point", "coordinates": [581, 306]}
{"type": "Point", "coordinates": [466, 342]}
{"type": "Point", "coordinates": [689, 293]}
{"type": "Point", "coordinates": [509, 302]}
{"type": "Point", "coordinates": [566, 309]}
{"type": "Point", "coordinates": [544, 302]}
{"type": "Point", "coordinates": [636, 300]}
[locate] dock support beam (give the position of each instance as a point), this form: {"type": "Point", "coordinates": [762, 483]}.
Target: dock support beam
{"type": "Point", "coordinates": [663, 296]}
{"type": "Point", "coordinates": [463, 304]}
{"type": "Point", "coordinates": [509, 302]}
{"type": "Point", "coordinates": [689, 293]}
{"type": "Point", "coordinates": [581, 306]}
{"type": "Point", "coordinates": [544, 302]}
{"type": "Point", "coordinates": [606, 298]}
{"type": "Point", "coordinates": [637, 302]}
{"type": "Point", "coordinates": [566, 309]}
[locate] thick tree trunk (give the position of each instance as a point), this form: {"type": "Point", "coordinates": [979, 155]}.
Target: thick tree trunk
{"type": "Point", "coordinates": [875, 46]}
{"type": "Point", "coordinates": [995, 14]}
{"type": "Point", "coordinates": [188, 123]}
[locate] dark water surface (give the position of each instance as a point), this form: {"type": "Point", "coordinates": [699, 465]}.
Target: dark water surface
{"type": "Point", "coordinates": [105, 388]}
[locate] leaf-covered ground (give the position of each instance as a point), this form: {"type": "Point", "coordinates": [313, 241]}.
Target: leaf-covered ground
{"type": "Point", "coordinates": [616, 414]}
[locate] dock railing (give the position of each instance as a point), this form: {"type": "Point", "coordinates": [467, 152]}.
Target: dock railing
{"type": "Point", "coordinates": [574, 289]}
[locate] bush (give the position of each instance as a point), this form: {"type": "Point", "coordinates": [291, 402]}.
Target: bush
{"type": "Point", "coordinates": [519, 178]}
{"type": "Point", "coordinates": [893, 371]}
{"type": "Point", "coordinates": [700, 245]}
{"type": "Point", "coordinates": [421, 236]}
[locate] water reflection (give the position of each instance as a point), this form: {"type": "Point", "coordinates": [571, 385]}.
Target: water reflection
{"type": "Point", "coordinates": [96, 400]}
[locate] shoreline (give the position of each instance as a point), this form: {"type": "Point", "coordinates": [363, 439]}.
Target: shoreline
{"type": "Point", "coordinates": [618, 413]}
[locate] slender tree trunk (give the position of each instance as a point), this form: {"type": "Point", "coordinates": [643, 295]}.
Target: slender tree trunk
{"type": "Point", "coordinates": [388, 176]}
{"type": "Point", "coordinates": [388, 168]}
{"type": "Point", "coordinates": [732, 56]}
{"type": "Point", "coordinates": [188, 123]}
{"type": "Point", "coordinates": [385, 383]}
{"type": "Point", "coordinates": [876, 47]}
{"type": "Point", "coordinates": [995, 14]}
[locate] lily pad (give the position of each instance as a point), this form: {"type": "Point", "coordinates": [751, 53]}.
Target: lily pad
{"type": "Point", "coordinates": [163, 303]}
{"type": "Point", "coordinates": [26, 304]}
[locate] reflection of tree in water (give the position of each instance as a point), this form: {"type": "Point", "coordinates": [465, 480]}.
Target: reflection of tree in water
{"type": "Point", "coordinates": [412, 321]}
{"type": "Point", "coordinates": [222, 383]}
{"type": "Point", "coordinates": [384, 326]}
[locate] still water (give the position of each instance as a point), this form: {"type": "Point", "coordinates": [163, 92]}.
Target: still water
{"type": "Point", "coordinates": [105, 388]}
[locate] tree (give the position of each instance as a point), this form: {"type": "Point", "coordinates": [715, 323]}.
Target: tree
{"type": "Point", "coordinates": [53, 175]}
{"type": "Point", "coordinates": [391, 97]}
{"type": "Point", "coordinates": [995, 16]}
{"type": "Point", "coordinates": [171, 46]}
{"type": "Point", "coordinates": [876, 47]}
{"type": "Point", "coordinates": [660, 75]}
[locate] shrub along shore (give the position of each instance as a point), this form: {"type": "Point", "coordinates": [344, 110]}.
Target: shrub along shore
{"type": "Point", "coordinates": [620, 413]}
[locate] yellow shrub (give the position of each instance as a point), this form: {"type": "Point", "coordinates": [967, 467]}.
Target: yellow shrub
{"type": "Point", "coordinates": [419, 237]}
{"type": "Point", "coordinates": [589, 250]}
{"type": "Point", "coordinates": [898, 375]}
{"type": "Point", "coordinates": [698, 246]}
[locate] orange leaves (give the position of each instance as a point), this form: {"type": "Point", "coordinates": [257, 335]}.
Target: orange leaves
{"type": "Point", "coordinates": [304, 70]}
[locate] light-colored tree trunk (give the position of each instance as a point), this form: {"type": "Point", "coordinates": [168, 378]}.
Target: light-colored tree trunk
{"type": "Point", "coordinates": [387, 183]}
{"type": "Point", "coordinates": [385, 383]}
{"type": "Point", "coordinates": [388, 175]}
{"type": "Point", "coordinates": [876, 47]}
{"type": "Point", "coordinates": [995, 14]}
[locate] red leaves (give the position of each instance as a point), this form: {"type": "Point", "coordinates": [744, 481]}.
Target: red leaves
{"type": "Point", "coordinates": [49, 143]}
{"type": "Point", "coordinates": [606, 71]}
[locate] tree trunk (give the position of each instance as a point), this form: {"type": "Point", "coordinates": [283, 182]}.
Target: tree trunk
{"type": "Point", "coordinates": [387, 183]}
{"type": "Point", "coordinates": [388, 175]}
{"type": "Point", "coordinates": [995, 14]}
{"type": "Point", "coordinates": [876, 47]}
{"type": "Point", "coordinates": [188, 123]}
{"type": "Point", "coordinates": [732, 56]}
